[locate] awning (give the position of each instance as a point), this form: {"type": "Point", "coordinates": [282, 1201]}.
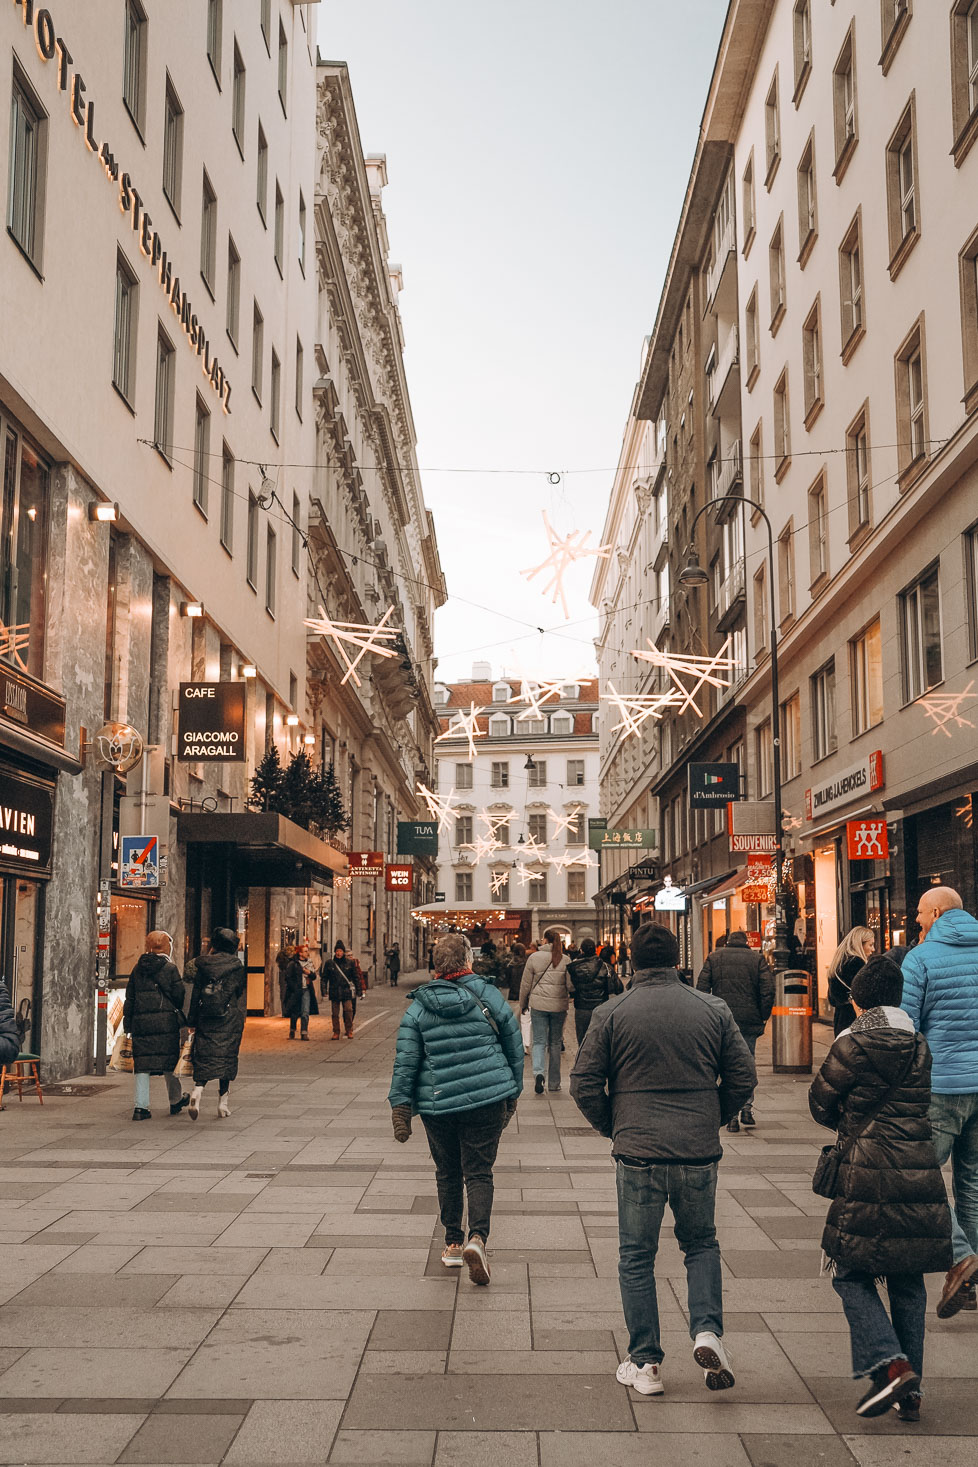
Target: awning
{"type": "Point", "coordinates": [729, 884]}
{"type": "Point", "coordinates": [267, 849]}
{"type": "Point", "coordinates": [24, 744]}
{"type": "Point", "coordinates": [505, 924]}
{"type": "Point", "coordinates": [698, 888]}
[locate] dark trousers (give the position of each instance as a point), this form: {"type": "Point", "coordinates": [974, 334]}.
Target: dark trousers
{"type": "Point", "coordinates": [582, 1019]}
{"type": "Point", "coordinates": [463, 1146]}
{"type": "Point", "coordinates": [347, 1007]}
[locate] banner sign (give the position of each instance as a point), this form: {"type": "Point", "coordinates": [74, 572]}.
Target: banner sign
{"type": "Point", "coordinates": [867, 840]}
{"type": "Point", "coordinates": [753, 845]}
{"type": "Point", "coordinates": [439, 896]}
{"type": "Point", "coordinates": [643, 840]}
{"type": "Point", "coordinates": [139, 864]}
{"type": "Point", "coordinates": [399, 877]}
{"type": "Point", "coordinates": [32, 705]}
{"type": "Point", "coordinates": [26, 821]}
{"type": "Point", "coordinates": [211, 723]}
{"type": "Point", "coordinates": [671, 899]}
{"type": "Point", "coordinates": [366, 863]}
{"type": "Point", "coordinates": [713, 784]}
{"type": "Point", "coordinates": [751, 828]}
{"type": "Point", "coordinates": [845, 786]}
{"type": "Point", "coordinates": [595, 832]}
{"type": "Point", "coordinates": [417, 837]}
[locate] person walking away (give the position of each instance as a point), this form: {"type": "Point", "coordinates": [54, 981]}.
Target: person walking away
{"type": "Point", "coordinates": [856, 948]}
{"type": "Point", "coordinates": [153, 1015]}
{"type": "Point", "coordinates": [744, 980]}
{"type": "Point", "coordinates": [889, 1219]}
{"type": "Point", "coordinates": [394, 964]}
{"type": "Point", "coordinates": [514, 970]}
{"type": "Point", "coordinates": [300, 991]}
{"type": "Point", "coordinates": [217, 1017]}
{"type": "Point", "coordinates": [940, 994]}
{"type": "Point", "coordinates": [544, 991]}
{"type": "Point", "coordinates": [662, 1067]}
{"type": "Point", "coordinates": [9, 1033]}
{"type": "Point", "coordinates": [338, 984]}
{"type": "Point", "coordinates": [592, 983]}
{"type": "Point", "coordinates": [458, 1064]}
{"type": "Point", "coordinates": [431, 958]}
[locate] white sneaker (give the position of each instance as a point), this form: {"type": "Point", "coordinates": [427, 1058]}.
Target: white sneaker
{"type": "Point", "coordinates": [223, 1106]}
{"type": "Point", "coordinates": [709, 1354]}
{"type": "Point", "coordinates": [193, 1109]}
{"type": "Point", "coordinates": [646, 1379]}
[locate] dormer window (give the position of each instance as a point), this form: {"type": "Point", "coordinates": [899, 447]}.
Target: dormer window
{"type": "Point", "coordinates": [500, 692]}
{"type": "Point", "coordinates": [570, 692]}
{"type": "Point", "coordinates": [441, 693]}
{"type": "Point", "coordinates": [499, 726]}
{"type": "Point", "coordinates": [562, 724]}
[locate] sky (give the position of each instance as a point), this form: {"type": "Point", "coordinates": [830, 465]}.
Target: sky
{"type": "Point", "coordinates": [537, 155]}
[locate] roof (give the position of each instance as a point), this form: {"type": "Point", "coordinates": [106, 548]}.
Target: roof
{"type": "Point", "coordinates": [462, 695]}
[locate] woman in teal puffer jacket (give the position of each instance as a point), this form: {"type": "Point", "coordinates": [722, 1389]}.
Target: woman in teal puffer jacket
{"type": "Point", "coordinates": [459, 1065]}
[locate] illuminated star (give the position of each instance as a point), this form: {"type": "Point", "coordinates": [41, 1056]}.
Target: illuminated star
{"type": "Point", "coordinates": [439, 807]}
{"type": "Point", "coordinates": [493, 823]}
{"type": "Point", "coordinates": [533, 849]}
{"type": "Point", "coordinates": [945, 708]}
{"type": "Point", "coordinates": [12, 639]}
{"type": "Point", "coordinates": [356, 634]}
{"type": "Point", "coordinates": [702, 669]}
{"type": "Point", "coordinates": [635, 708]}
{"type": "Point", "coordinates": [535, 694]}
{"type": "Point", "coordinates": [561, 822]}
{"type": "Point", "coordinates": [483, 846]}
{"type": "Point", "coordinates": [465, 725]}
{"type": "Point", "coordinates": [498, 880]}
{"type": "Point", "coordinates": [564, 551]}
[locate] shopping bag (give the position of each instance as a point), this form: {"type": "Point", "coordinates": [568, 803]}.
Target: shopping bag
{"type": "Point", "coordinates": [525, 1031]}
{"type": "Point", "coordinates": [122, 1054]}
{"type": "Point", "coordinates": [184, 1067]}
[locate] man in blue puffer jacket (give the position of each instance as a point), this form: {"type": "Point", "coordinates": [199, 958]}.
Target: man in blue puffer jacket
{"type": "Point", "coordinates": [940, 993]}
{"type": "Point", "coordinates": [459, 1065]}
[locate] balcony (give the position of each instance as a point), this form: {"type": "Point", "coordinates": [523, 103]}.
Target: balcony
{"type": "Point", "coordinates": [724, 260]}
{"type": "Point", "coordinates": [723, 382]}
{"type": "Point", "coordinates": [731, 473]}
{"type": "Point", "coordinates": [731, 597]}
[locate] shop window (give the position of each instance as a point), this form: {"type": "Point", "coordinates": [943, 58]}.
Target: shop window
{"type": "Point", "coordinates": [866, 672]}
{"type": "Point", "coordinates": [920, 625]}
{"type": "Point", "coordinates": [463, 776]}
{"type": "Point", "coordinates": [23, 541]}
{"type": "Point", "coordinates": [825, 738]}
{"type": "Point", "coordinates": [127, 939]}
{"type": "Point", "coordinates": [28, 140]}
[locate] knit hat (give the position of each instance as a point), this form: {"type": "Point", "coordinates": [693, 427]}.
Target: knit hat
{"type": "Point", "coordinates": [654, 946]}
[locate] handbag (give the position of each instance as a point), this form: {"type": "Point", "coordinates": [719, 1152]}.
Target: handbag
{"type": "Point", "coordinates": [526, 1029]}
{"type": "Point", "coordinates": [184, 1067]}
{"type": "Point", "coordinates": [828, 1167]}
{"type": "Point", "coordinates": [122, 1054]}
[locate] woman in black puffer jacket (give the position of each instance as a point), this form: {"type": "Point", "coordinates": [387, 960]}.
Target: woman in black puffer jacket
{"type": "Point", "coordinates": [153, 1015]}
{"type": "Point", "coordinates": [889, 1218]}
{"type": "Point", "coordinates": [593, 983]}
{"type": "Point", "coordinates": [217, 1016]}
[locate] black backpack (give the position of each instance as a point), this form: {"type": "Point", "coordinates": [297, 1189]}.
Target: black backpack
{"type": "Point", "coordinates": [215, 1001]}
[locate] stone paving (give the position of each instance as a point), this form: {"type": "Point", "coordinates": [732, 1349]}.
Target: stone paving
{"type": "Point", "coordinates": [267, 1289]}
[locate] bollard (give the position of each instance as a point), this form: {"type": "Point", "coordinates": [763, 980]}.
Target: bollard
{"type": "Point", "coordinates": [791, 1030]}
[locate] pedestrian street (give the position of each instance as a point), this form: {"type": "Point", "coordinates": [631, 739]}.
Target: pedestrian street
{"type": "Point", "coordinates": [267, 1289]}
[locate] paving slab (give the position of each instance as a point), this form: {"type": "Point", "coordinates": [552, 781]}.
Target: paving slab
{"type": "Point", "coordinates": [487, 1449]}
{"type": "Point", "coordinates": [110, 1373]}
{"type": "Point", "coordinates": [586, 1448]}
{"type": "Point", "coordinates": [43, 1437]}
{"type": "Point", "coordinates": [277, 1355]}
{"type": "Point", "coordinates": [284, 1432]}
{"type": "Point", "coordinates": [484, 1402]}
{"type": "Point", "coordinates": [380, 1448]}
{"type": "Point", "coordinates": [196, 1439]}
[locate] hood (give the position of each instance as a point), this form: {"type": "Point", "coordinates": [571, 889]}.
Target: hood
{"type": "Point", "coordinates": [885, 1050]}
{"type": "Point", "coordinates": [445, 997]}
{"type": "Point", "coordinates": [152, 964]}
{"type": "Point", "coordinates": [956, 928]}
{"type": "Point", "coordinates": [215, 965]}
{"type": "Point", "coordinates": [883, 1017]}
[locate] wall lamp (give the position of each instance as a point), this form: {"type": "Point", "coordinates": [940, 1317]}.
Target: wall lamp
{"type": "Point", "coordinates": [309, 738]}
{"type": "Point", "coordinates": [191, 608]}
{"type": "Point", "coordinates": [103, 513]}
{"type": "Point", "coordinates": [292, 720]}
{"type": "Point", "coordinates": [247, 669]}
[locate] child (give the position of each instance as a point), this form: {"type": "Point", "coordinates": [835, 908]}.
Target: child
{"type": "Point", "coordinates": [889, 1219]}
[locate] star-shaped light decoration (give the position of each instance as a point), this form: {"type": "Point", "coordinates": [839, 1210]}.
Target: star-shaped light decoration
{"type": "Point", "coordinates": [577, 858]}
{"type": "Point", "coordinates": [12, 640]}
{"type": "Point", "coordinates": [498, 881]}
{"type": "Point", "coordinates": [564, 551]}
{"type": "Point", "coordinates": [533, 850]}
{"type": "Point", "coordinates": [465, 725]}
{"type": "Point", "coordinates": [636, 708]}
{"type": "Point", "coordinates": [439, 807]}
{"type": "Point", "coordinates": [355, 634]}
{"type": "Point", "coordinates": [945, 708]}
{"type": "Point", "coordinates": [535, 694]}
{"type": "Point", "coordinates": [561, 822]}
{"type": "Point", "coordinates": [482, 846]}
{"type": "Point", "coordinates": [700, 670]}
{"type": "Point", "coordinates": [493, 823]}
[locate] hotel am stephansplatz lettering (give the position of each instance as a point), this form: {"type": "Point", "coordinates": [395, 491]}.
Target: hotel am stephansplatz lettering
{"type": "Point", "coordinates": [52, 47]}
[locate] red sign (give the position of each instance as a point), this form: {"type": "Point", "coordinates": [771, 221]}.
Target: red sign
{"type": "Point", "coordinates": [867, 840]}
{"type": "Point", "coordinates": [754, 940]}
{"type": "Point", "coordinates": [366, 863]}
{"type": "Point", "coordinates": [399, 877]}
{"type": "Point", "coordinates": [755, 894]}
{"type": "Point", "coordinates": [753, 845]}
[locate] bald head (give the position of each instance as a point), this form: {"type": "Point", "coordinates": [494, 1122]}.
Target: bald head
{"type": "Point", "coordinates": [935, 901]}
{"type": "Point", "coordinates": [159, 942]}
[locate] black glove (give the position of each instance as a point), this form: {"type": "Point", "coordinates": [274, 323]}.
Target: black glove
{"type": "Point", "coordinates": [401, 1121]}
{"type": "Point", "coordinates": [510, 1111]}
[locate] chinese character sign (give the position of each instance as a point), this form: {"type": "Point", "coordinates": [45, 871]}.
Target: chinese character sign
{"type": "Point", "coordinates": [867, 840]}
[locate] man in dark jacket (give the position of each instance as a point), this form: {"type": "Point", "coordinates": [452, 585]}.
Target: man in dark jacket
{"type": "Point", "coordinates": [338, 983]}
{"type": "Point", "coordinates": [743, 979]}
{"type": "Point", "coordinates": [153, 1015]}
{"type": "Point", "coordinates": [661, 1068]}
{"type": "Point", "coordinates": [9, 1033]}
{"type": "Point", "coordinates": [592, 982]}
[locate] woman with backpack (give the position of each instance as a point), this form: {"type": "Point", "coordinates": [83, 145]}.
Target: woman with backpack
{"type": "Point", "coordinates": [217, 1016]}
{"type": "Point", "coordinates": [545, 992]}
{"type": "Point", "coordinates": [338, 983]}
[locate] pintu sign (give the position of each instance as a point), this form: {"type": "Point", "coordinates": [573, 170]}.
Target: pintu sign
{"type": "Point", "coordinates": [211, 723]}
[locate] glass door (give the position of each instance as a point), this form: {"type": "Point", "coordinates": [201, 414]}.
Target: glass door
{"type": "Point", "coordinates": [20, 927]}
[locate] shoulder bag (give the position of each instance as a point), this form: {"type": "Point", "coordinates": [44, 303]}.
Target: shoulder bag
{"type": "Point", "coordinates": [828, 1168]}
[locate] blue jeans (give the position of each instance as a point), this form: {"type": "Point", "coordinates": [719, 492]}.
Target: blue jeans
{"type": "Point", "coordinates": [305, 1008]}
{"type": "Point", "coordinates": [954, 1119]}
{"type": "Point", "coordinates": [878, 1337]}
{"type": "Point", "coordinates": [547, 1031]}
{"type": "Point", "coordinates": [141, 1090]}
{"type": "Point", "coordinates": [642, 1195]}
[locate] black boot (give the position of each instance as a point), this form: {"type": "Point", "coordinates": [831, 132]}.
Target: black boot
{"type": "Point", "coordinates": [180, 1105]}
{"type": "Point", "coordinates": [747, 1118]}
{"type": "Point", "coordinates": [139, 1114]}
{"type": "Point", "coordinates": [733, 1126]}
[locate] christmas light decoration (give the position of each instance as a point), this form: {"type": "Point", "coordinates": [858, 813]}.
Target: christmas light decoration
{"type": "Point", "coordinates": [465, 725]}
{"type": "Point", "coordinates": [494, 823]}
{"type": "Point", "coordinates": [701, 669]}
{"type": "Point", "coordinates": [945, 708]}
{"type": "Point", "coordinates": [12, 639]}
{"type": "Point", "coordinates": [439, 807]}
{"type": "Point", "coordinates": [636, 708]}
{"type": "Point", "coordinates": [561, 822]}
{"type": "Point", "coordinates": [355, 634]}
{"type": "Point", "coordinates": [564, 551]}
{"type": "Point", "coordinates": [498, 881]}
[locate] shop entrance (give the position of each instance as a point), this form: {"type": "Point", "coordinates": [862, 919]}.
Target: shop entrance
{"type": "Point", "coordinates": [21, 914]}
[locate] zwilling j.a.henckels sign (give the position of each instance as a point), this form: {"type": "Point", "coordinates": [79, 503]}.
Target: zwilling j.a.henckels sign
{"type": "Point", "coordinates": [211, 722]}
{"type": "Point", "coordinates": [845, 785]}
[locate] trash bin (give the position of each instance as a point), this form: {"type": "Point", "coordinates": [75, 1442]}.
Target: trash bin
{"type": "Point", "coordinates": [791, 1030]}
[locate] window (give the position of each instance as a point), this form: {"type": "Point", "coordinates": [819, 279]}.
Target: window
{"type": "Point", "coordinates": [208, 233]}
{"type": "Point", "coordinates": [202, 443]}
{"type": "Point", "coordinates": [262, 174]}
{"type": "Point", "coordinates": [124, 335]}
{"type": "Point", "coordinates": [499, 887]}
{"type": "Point", "coordinates": [802, 46]}
{"type": "Point", "coordinates": [807, 207]}
{"type": "Point", "coordinates": [818, 531]}
{"type": "Point", "coordinates": [902, 204]}
{"type": "Point", "coordinates": [866, 677]}
{"type": "Point", "coordinates": [824, 736]}
{"type": "Point", "coordinates": [270, 569]}
{"type": "Point", "coordinates": [577, 829]}
{"type": "Point", "coordinates": [968, 270]}
{"type": "Point", "coordinates": [28, 137]}
{"type": "Point", "coordinates": [791, 737]}
{"type": "Point", "coordinates": [851, 287]}
{"type": "Point", "coordinates": [163, 416]}
{"type": "Point", "coordinates": [576, 886]}
{"type": "Point", "coordinates": [252, 567]}
{"type": "Point", "coordinates": [537, 776]}
{"type": "Point", "coordinates": [844, 105]}
{"type": "Point", "coordinates": [227, 499]}
{"type": "Point", "coordinates": [782, 427]}
{"type": "Point", "coordinates": [964, 77]}
{"type": "Point", "coordinates": [502, 833]}
{"type": "Point", "coordinates": [266, 24]}
{"type": "Point", "coordinates": [172, 146]}
{"type": "Point", "coordinates": [776, 265]}
{"type": "Point", "coordinates": [463, 886]}
{"type": "Point", "coordinates": [786, 573]}
{"type": "Point", "coordinates": [499, 776]}
{"type": "Point", "coordinates": [238, 100]}
{"type": "Point", "coordinates": [274, 393]}
{"type": "Point", "coordinates": [257, 350]}
{"type": "Point", "coordinates": [463, 830]}
{"type": "Point", "coordinates": [463, 776]}
{"type": "Point", "coordinates": [772, 132]}
{"type": "Point", "coordinates": [752, 339]}
{"type": "Point", "coordinates": [756, 467]}
{"type": "Point", "coordinates": [562, 723]}
{"type": "Point", "coordinates": [858, 472]}
{"type": "Point", "coordinates": [536, 827]}
{"type": "Point", "coordinates": [234, 292]}
{"type": "Point", "coordinates": [214, 19]}
{"type": "Point", "coordinates": [279, 227]}
{"type": "Point", "coordinates": [134, 62]}
{"type": "Point", "coordinates": [538, 887]}
{"type": "Point", "coordinates": [911, 394]}
{"type": "Point", "coordinates": [575, 773]}
{"type": "Point", "coordinates": [296, 534]}
{"type": "Point", "coordinates": [23, 551]}
{"type": "Point", "coordinates": [920, 623]}
{"type": "Point", "coordinates": [748, 206]}
{"type": "Point", "coordinates": [971, 584]}
{"type": "Point", "coordinates": [812, 361]}
{"type": "Point", "coordinates": [533, 726]}
{"type": "Point", "coordinates": [283, 66]}
{"type": "Point", "coordinates": [499, 726]}
{"type": "Point", "coordinates": [894, 17]}
{"type": "Point", "coordinates": [764, 749]}
{"type": "Point", "coordinates": [302, 233]}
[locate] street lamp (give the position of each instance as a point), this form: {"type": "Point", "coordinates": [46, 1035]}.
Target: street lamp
{"type": "Point", "coordinates": [693, 574]}
{"type": "Point", "coordinates": [529, 762]}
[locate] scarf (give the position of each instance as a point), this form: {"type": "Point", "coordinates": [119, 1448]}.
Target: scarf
{"type": "Point", "coordinates": [883, 1017]}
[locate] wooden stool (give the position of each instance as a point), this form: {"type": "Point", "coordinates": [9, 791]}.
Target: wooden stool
{"type": "Point", "coordinates": [22, 1071]}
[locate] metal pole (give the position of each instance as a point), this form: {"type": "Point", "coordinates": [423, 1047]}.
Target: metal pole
{"type": "Point", "coordinates": [107, 790]}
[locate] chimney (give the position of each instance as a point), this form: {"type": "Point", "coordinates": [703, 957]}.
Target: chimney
{"type": "Point", "coordinates": [481, 672]}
